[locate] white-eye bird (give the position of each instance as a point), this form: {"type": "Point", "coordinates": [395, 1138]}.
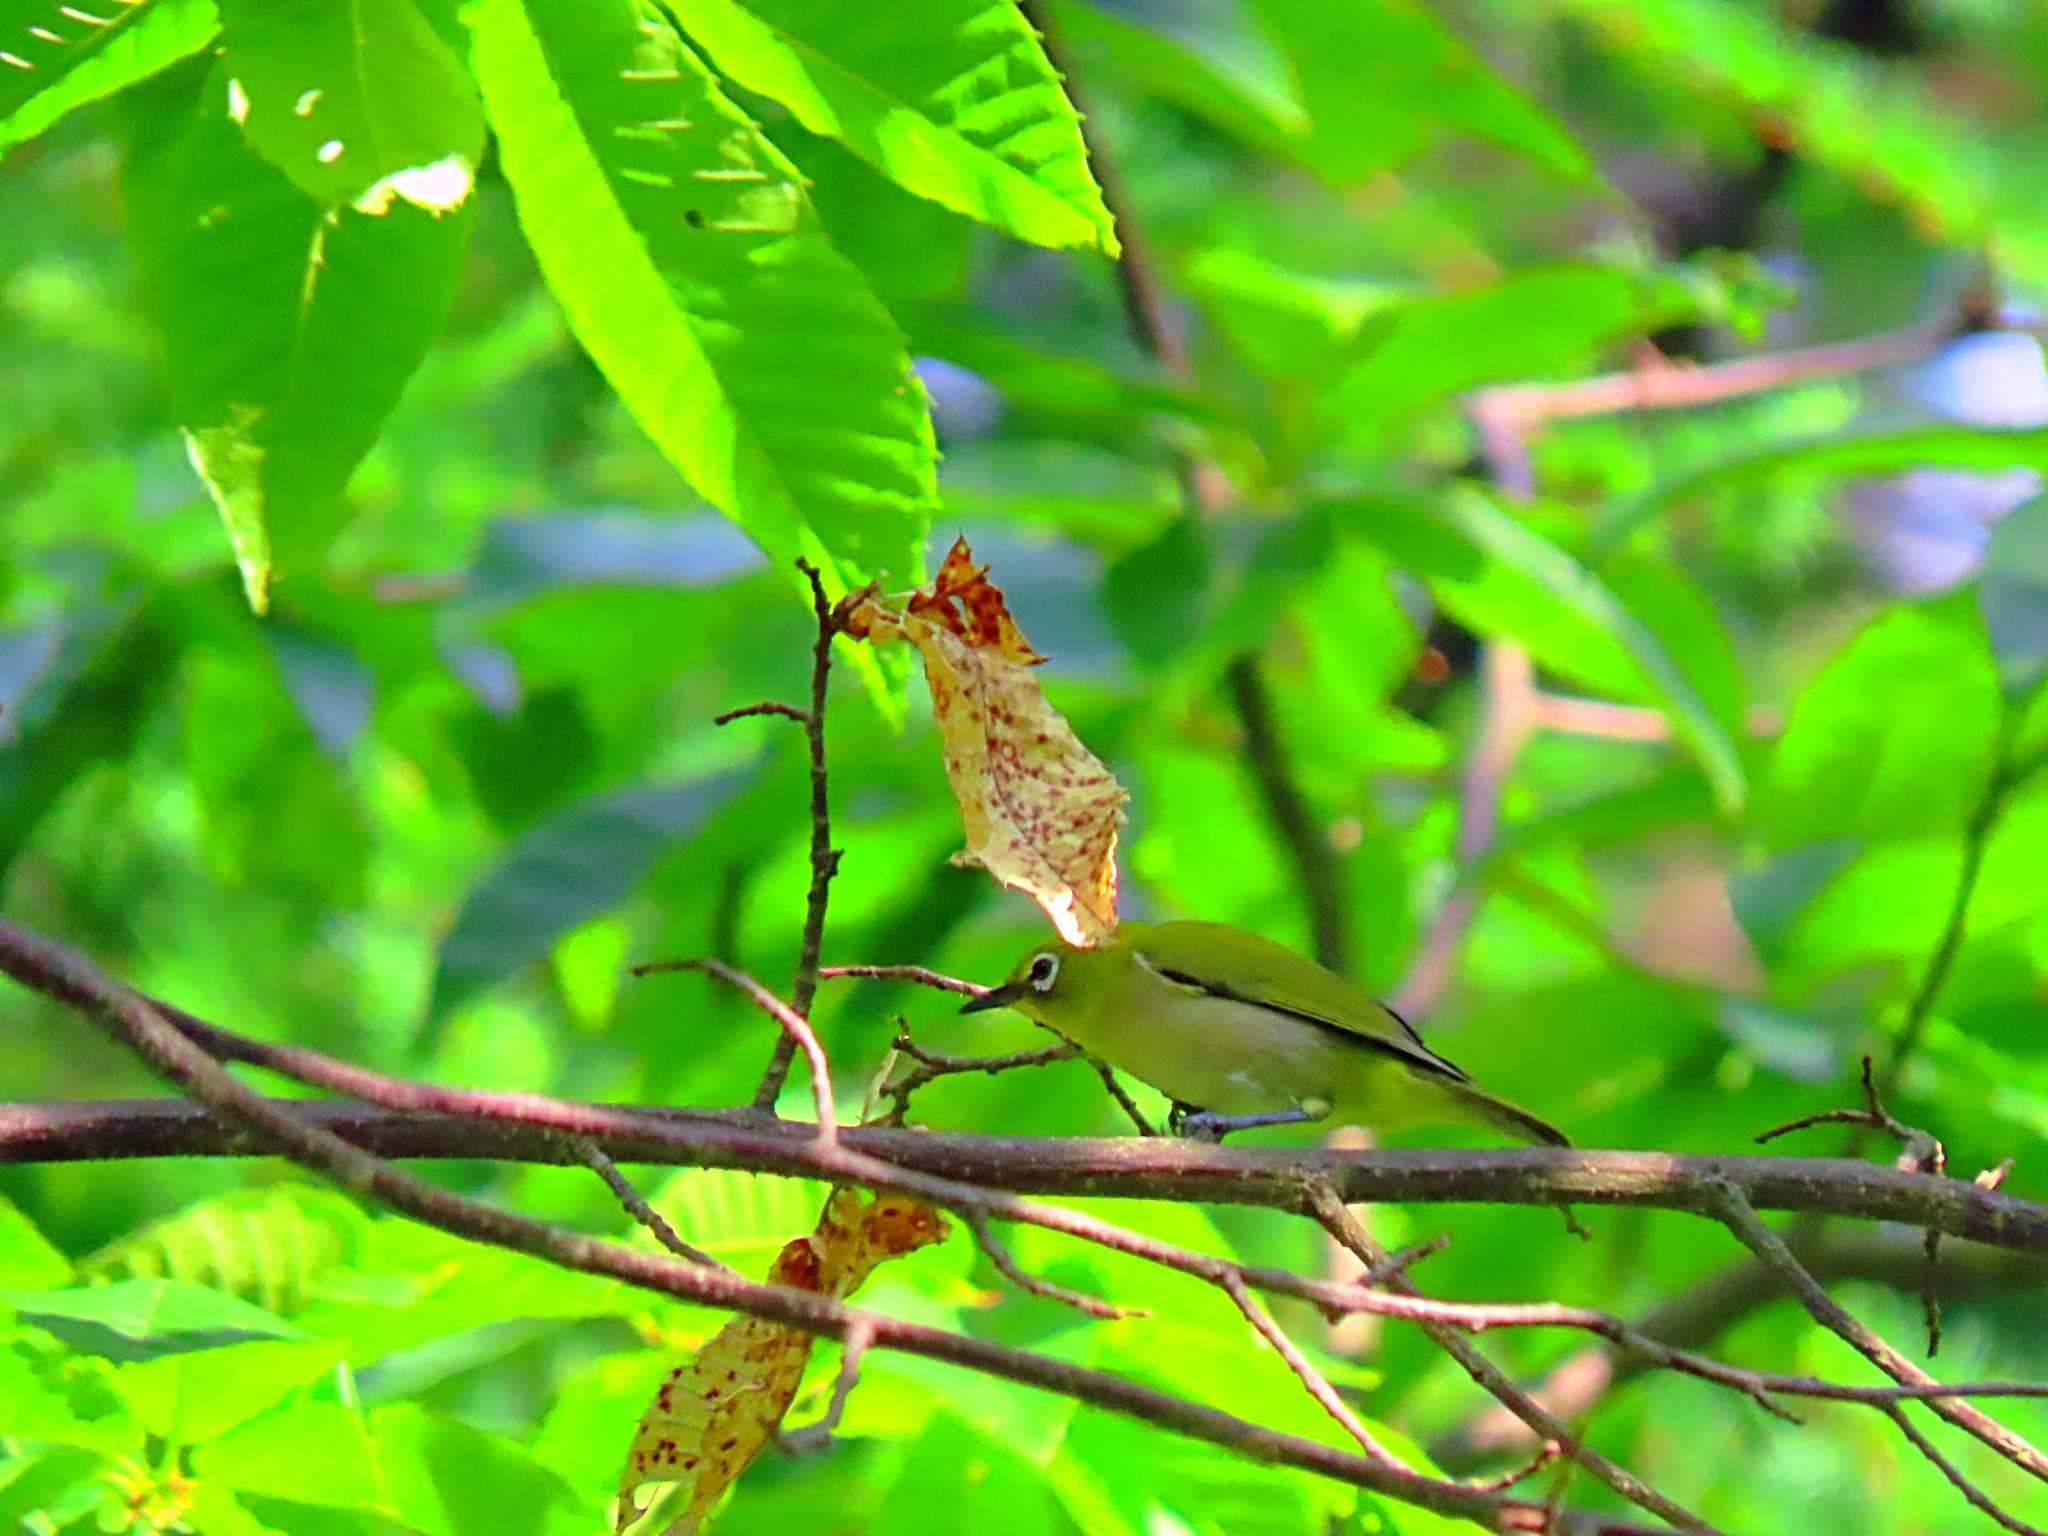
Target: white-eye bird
{"type": "Point", "coordinates": [1240, 1031]}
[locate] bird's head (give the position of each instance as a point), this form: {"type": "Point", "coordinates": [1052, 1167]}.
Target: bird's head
{"type": "Point", "coordinates": [1048, 981]}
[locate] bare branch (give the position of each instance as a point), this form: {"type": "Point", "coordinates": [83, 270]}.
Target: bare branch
{"type": "Point", "coordinates": [795, 1028]}
{"type": "Point", "coordinates": [766, 708]}
{"type": "Point", "coordinates": [636, 1204]}
{"type": "Point", "coordinates": [923, 975]}
{"type": "Point", "coordinates": [1316, 1383]}
{"type": "Point", "coordinates": [933, 1065]}
{"type": "Point", "coordinates": [1331, 1209]}
{"type": "Point", "coordinates": [797, 1442]}
{"type": "Point", "coordinates": [1007, 1265]}
{"type": "Point", "coordinates": [1740, 1217]}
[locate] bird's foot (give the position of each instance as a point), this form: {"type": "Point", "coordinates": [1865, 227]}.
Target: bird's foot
{"type": "Point", "coordinates": [1204, 1125]}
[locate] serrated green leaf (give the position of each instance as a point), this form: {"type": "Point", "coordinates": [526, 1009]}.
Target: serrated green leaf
{"type": "Point", "coordinates": [694, 270]}
{"type": "Point", "coordinates": [953, 100]}
{"type": "Point", "coordinates": [358, 101]}
{"type": "Point", "coordinates": [562, 872]}
{"type": "Point", "coordinates": [145, 1319]}
{"type": "Point", "coordinates": [266, 1246]}
{"type": "Point", "coordinates": [1572, 620]}
{"type": "Point", "coordinates": [56, 57]}
{"type": "Point", "coordinates": [289, 330]}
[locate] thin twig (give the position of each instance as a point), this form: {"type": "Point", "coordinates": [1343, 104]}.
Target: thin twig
{"type": "Point", "coordinates": [1328, 1206]}
{"type": "Point", "coordinates": [1740, 1217]}
{"type": "Point", "coordinates": [1510, 690]}
{"type": "Point", "coordinates": [1316, 865]}
{"type": "Point", "coordinates": [765, 707]}
{"type": "Point", "coordinates": [796, 1029]}
{"type": "Point", "coordinates": [824, 857]}
{"type": "Point", "coordinates": [636, 1204]}
{"type": "Point", "coordinates": [923, 975]}
{"type": "Point", "coordinates": [1313, 1380]}
{"type": "Point", "coordinates": [1006, 1264]}
{"type": "Point", "coordinates": [1976, 1496]}
{"type": "Point", "coordinates": [1125, 1102]}
{"type": "Point", "coordinates": [933, 1065]}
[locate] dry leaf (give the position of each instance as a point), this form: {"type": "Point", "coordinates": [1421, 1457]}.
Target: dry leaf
{"type": "Point", "coordinates": [714, 1413]}
{"type": "Point", "coordinates": [1039, 809]}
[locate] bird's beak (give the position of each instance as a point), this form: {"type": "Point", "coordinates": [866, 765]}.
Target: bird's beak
{"type": "Point", "coordinates": [995, 997]}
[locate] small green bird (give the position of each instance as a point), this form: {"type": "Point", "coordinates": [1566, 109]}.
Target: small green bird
{"type": "Point", "coordinates": [1240, 1031]}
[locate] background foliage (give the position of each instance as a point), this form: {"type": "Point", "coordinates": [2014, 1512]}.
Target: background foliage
{"type": "Point", "coordinates": [519, 347]}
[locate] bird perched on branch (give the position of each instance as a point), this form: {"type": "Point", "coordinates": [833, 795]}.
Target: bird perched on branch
{"type": "Point", "coordinates": [1240, 1031]}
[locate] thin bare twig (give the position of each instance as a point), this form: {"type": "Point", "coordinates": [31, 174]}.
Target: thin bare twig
{"type": "Point", "coordinates": [1313, 1380]}
{"type": "Point", "coordinates": [933, 1065]}
{"type": "Point", "coordinates": [824, 857]}
{"type": "Point", "coordinates": [1006, 1264]}
{"type": "Point", "coordinates": [636, 1204]}
{"type": "Point", "coordinates": [1316, 865]}
{"type": "Point", "coordinates": [796, 1029]}
{"type": "Point", "coordinates": [1740, 1217]}
{"type": "Point", "coordinates": [1327, 1204]}
{"type": "Point", "coordinates": [923, 975]}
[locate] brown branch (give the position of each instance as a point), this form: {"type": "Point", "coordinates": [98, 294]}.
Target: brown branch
{"type": "Point", "coordinates": [1740, 1217]}
{"type": "Point", "coordinates": [131, 1021]}
{"type": "Point", "coordinates": [1331, 1208]}
{"type": "Point", "coordinates": [796, 1031]}
{"type": "Point", "coordinates": [933, 1065]}
{"type": "Point", "coordinates": [811, 1437]}
{"type": "Point", "coordinates": [1006, 1265]}
{"type": "Point", "coordinates": [1313, 1380]}
{"type": "Point", "coordinates": [1316, 865]}
{"type": "Point", "coordinates": [436, 1122]}
{"type": "Point", "coordinates": [1702, 1313]}
{"type": "Point", "coordinates": [927, 977]}
{"type": "Point", "coordinates": [1510, 681]}
{"type": "Point", "coordinates": [824, 857]}
{"type": "Point", "coordinates": [636, 1204]}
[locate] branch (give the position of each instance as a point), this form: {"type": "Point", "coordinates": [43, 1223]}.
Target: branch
{"type": "Point", "coordinates": [1332, 1210]}
{"type": "Point", "coordinates": [796, 1033]}
{"type": "Point", "coordinates": [279, 1128]}
{"type": "Point", "coordinates": [1740, 1217]}
{"type": "Point", "coordinates": [519, 1127]}
{"type": "Point", "coordinates": [1702, 1313]}
{"type": "Point", "coordinates": [636, 1204]}
{"type": "Point", "coordinates": [1315, 861]}
{"type": "Point", "coordinates": [824, 857]}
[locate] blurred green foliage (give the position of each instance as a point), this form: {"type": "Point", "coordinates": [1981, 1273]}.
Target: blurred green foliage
{"type": "Point", "coordinates": [515, 434]}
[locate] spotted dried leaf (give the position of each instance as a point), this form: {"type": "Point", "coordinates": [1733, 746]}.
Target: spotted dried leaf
{"type": "Point", "coordinates": [713, 1413]}
{"type": "Point", "coordinates": [1039, 810]}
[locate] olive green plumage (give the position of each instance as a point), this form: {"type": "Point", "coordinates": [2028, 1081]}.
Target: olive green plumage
{"type": "Point", "coordinates": [1221, 1019]}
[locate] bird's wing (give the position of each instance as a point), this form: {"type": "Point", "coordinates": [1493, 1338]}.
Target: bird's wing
{"type": "Point", "coordinates": [1272, 976]}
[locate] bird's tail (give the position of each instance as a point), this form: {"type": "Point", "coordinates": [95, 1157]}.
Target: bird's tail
{"type": "Point", "coordinates": [1504, 1116]}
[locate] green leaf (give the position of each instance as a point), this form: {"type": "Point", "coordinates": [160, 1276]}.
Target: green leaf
{"type": "Point", "coordinates": [2013, 592]}
{"type": "Point", "coordinates": [289, 330]}
{"type": "Point", "coordinates": [1878, 453]}
{"type": "Point", "coordinates": [693, 269]}
{"type": "Point", "coordinates": [312, 1453]}
{"type": "Point", "coordinates": [27, 1258]}
{"type": "Point", "coordinates": [1535, 591]}
{"type": "Point", "coordinates": [1383, 79]}
{"type": "Point", "coordinates": [62, 1407]}
{"type": "Point", "coordinates": [145, 1319]}
{"type": "Point", "coordinates": [266, 1246]}
{"type": "Point", "coordinates": [564, 871]}
{"type": "Point", "coordinates": [196, 1396]}
{"type": "Point", "coordinates": [1896, 736]}
{"type": "Point", "coordinates": [1538, 321]}
{"type": "Point", "coordinates": [56, 57]}
{"type": "Point", "coordinates": [358, 101]}
{"type": "Point", "coordinates": [953, 100]}
{"type": "Point", "coordinates": [741, 1218]}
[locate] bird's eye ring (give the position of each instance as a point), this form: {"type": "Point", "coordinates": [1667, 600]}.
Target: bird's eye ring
{"type": "Point", "coordinates": [1043, 971]}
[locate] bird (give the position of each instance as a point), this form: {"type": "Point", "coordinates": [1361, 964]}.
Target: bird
{"type": "Point", "coordinates": [1239, 1031]}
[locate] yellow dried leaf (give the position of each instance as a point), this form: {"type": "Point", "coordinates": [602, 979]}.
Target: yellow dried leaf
{"type": "Point", "coordinates": [1039, 809]}
{"type": "Point", "coordinates": [713, 1413]}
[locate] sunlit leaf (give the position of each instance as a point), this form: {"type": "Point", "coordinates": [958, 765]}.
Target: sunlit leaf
{"type": "Point", "coordinates": [288, 329]}
{"type": "Point", "coordinates": [358, 101]}
{"type": "Point", "coordinates": [692, 267]}
{"type": "Point", "coordinates": [145, 1319]}
{"type": "Point", "coordinates": [56, 57]}
{"type": "Point", "coordinates": [953, 100]}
